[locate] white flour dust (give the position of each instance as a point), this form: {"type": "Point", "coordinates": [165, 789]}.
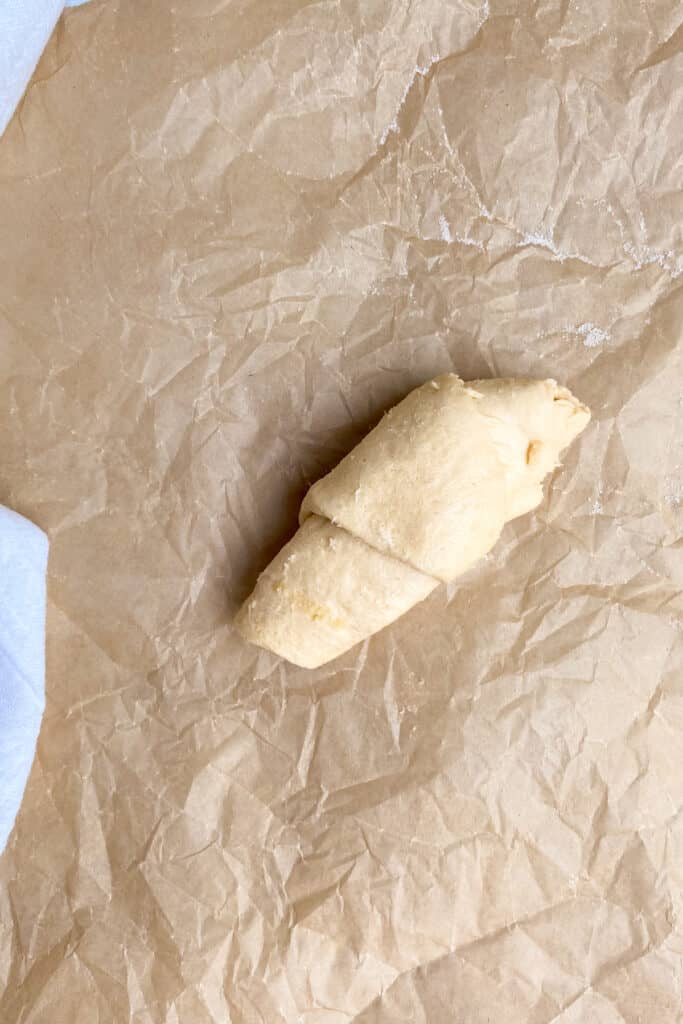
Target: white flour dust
{"type": "Point", "coordinates": [592, 335]}
{"type": "Point", "coordinates": [445, 229]}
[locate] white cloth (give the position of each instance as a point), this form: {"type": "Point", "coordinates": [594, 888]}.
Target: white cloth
{"type": "Point", "coordinates": [25, 27]}
{"type": "Point", "coordinates": [23, 563]}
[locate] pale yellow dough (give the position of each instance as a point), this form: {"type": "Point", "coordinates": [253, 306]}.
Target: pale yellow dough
{"type": "Point", "coordinates": [417, 502]}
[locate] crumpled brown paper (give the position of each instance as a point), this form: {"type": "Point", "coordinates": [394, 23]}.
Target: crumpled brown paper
{"type": "Point", "coordinates": [233, 234]}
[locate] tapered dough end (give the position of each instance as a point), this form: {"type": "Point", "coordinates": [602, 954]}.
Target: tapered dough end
{"type": "Point", "coordinates": [325, 592]}
{"type": "Point", "coordinates": [534, 421]}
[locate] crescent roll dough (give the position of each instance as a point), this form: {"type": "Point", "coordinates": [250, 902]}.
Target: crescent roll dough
{"type": "Point", "coordinates": [417, 502]}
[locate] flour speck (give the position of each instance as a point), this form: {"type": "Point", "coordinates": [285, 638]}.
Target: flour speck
{"type": "Point", "coordinates": [592, 335]}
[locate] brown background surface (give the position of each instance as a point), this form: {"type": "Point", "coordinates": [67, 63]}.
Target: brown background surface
{"type": "Point", "coordinates": [232, 234]}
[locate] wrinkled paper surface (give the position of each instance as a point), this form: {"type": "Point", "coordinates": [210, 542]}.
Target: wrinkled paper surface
{"type": "Point", "coordinates": [232, 235]}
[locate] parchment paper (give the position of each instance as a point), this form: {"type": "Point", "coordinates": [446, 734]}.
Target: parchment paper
{"type": "Point", "coordinates": [232, 235]}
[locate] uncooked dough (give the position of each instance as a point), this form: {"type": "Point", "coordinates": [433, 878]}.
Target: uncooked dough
{"type": "Point", "coordinates": [417, 502]}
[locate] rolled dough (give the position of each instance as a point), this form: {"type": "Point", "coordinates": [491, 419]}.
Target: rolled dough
{"type": "Point", "coordinates": [417, 502]}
